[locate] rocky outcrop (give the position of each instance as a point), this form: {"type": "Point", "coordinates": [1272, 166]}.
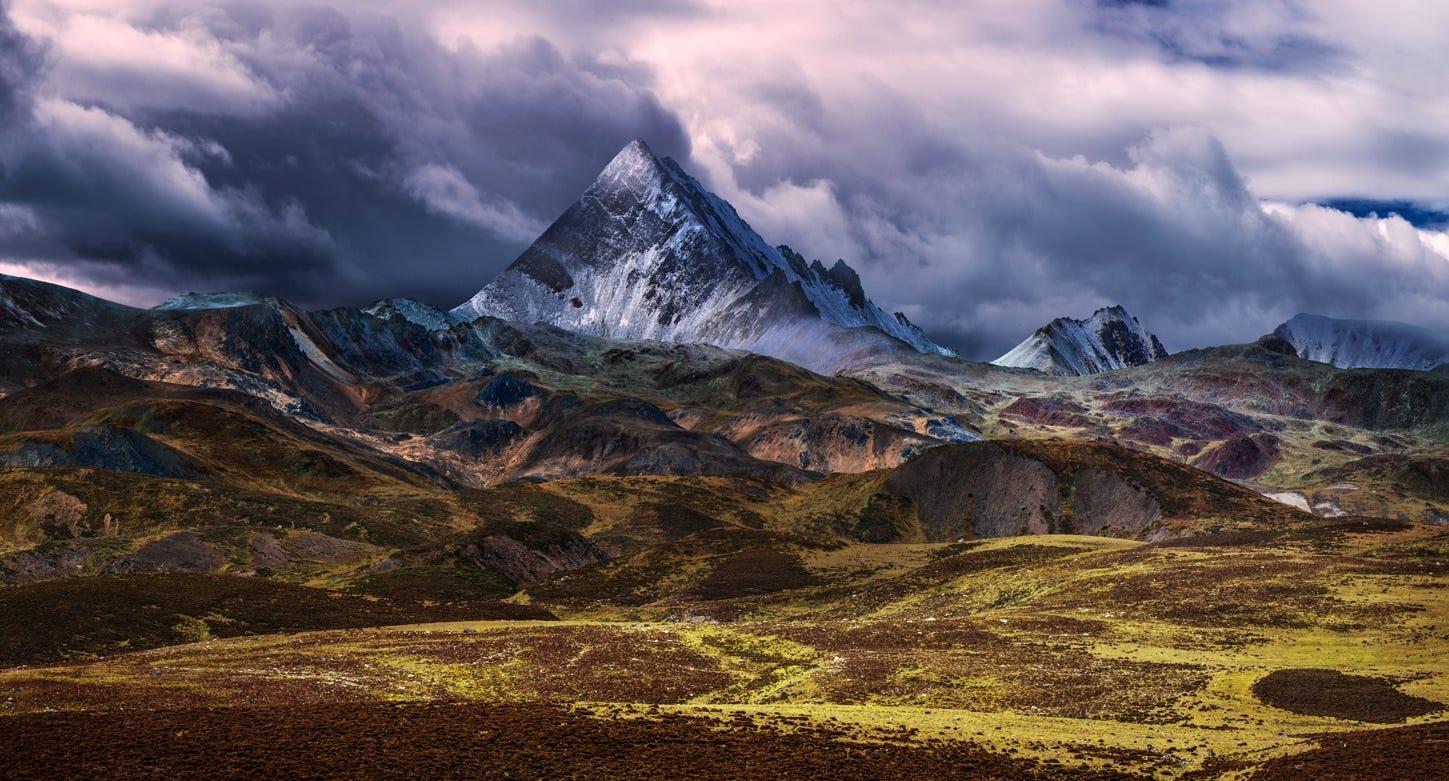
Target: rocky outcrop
{"type": "Point", "coordinates": [479, 439]}
{"type": "Point", "coordinates": [36, 455]}
{"type": "Point", "coordinates": [1183, 417]}
{"type": "Point", "coordinates": [997, 489]}
{"type": "Point", "coordinates": [124, 450]}
{"type": "Point", "coordinates": [985, 490]}
{"type": "Point", "coordinates": [632, 437]}
{"type": "Point", "coordinates": [526, 565]}
{"type": "Point", "coordinates": [505, 390]}
{"type": "Point", "coordinates": [823, 442]}
{"type": "Point", "coordinates": [99, 447]}
{"type": "Point", "coordinates": [501, 555]}
{"type": "Point", "coordinates": [979, 490]}
{"type": "Point", "coordinates": [1103, 503]}
{"type": "Point", "coordinates": [182, 551]}
{"type": "Point", "coordinates": [1242, 457]}
{"type": "Point", "coordinates": [1048, 411]}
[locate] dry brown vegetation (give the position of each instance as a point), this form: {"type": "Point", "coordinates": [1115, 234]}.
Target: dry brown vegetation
{"type": "Point", "coordinates": [316, 604]}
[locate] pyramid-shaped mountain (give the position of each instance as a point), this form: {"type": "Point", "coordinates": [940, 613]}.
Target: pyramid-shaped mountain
{"type": "Point", "coordinates": [1109, 339]}
{"type": "Point", "coordinates": [647, 253]}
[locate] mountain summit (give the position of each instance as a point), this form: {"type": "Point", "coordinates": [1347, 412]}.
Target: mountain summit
{"type": "Point", "coordinates": [1365, 344]}
{"type": "Point", "coordinates": [1109, 339]}
{"type": "Point", "coordinates": [647, 253]}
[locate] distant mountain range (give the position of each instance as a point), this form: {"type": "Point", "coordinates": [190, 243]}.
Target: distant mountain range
{"type": "Point", "coordinates": [651, 331]}
{"type": "Point", "coordinates": [1109, 339]}
{"type": "Point", "coordinates": [1355, 344]}
{"type": "Point", "coordinates": [738, 480]}
{"type": "Point", "coordinates": [647, 253]}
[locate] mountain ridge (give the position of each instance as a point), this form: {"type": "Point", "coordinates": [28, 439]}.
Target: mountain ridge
{"type": "Point", "coordinates": [1364, 344]}
{"type": "Point", "coordinates": [647, 253]}
{"type": "Point", "coordinates": [1109, 339]}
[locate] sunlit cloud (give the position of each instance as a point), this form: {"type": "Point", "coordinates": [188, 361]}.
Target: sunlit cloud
{"type": "Point", "coordinates": [986, 167]}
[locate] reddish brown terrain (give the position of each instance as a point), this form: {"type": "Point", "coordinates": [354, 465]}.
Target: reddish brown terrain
{"type": "Point", "coordinates": [258, 542]}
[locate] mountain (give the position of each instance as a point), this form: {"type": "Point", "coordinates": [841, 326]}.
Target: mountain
{"type": "Point", "coordinates": [478, 401]}
{"type": "Point", "coordinates": [417, 312]}
{"type": "Point", "coordinates": [212, 300]}
{"type": "Point", "coordinates": [1365, 344]}
{"type": "Point", "coordinates": [647, 253]}
{"type": "Point", "coordinates": [236, 483]}
{"type": "Point", "coordinates": [1109, 339]}
{"type": "Point", "coordinates": [30, 304]}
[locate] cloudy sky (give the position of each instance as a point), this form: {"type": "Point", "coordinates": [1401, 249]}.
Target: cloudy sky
{"type": "Point", "coordinates": [1213, 166]}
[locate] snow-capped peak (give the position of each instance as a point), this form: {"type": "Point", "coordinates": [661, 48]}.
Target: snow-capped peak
{"type": "Point", "coordinates": [212, 300]}
{"type": "Point", "coordinates": [1109, 339]}
{"type": "Point", "coordinates": [648, 253]}
{"type": "Point", "coordinates": [425, 315]}
{"type": "Point", "coordinates": [1365, 344]}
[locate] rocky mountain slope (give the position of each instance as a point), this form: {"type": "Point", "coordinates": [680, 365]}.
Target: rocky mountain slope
{"type": "Point", "coordinates": [647, 253]}
{"type": "Point", "coordinates": [1121, 565]}
{"type": "Point", "coordinates": [1109, 339]}
{"type": "Point", "coordinates": [234, 502]}
{"type": "Point", "coordinates": [1372, 344]}
{"type": "Point", "coordinates": [486, 401]}
{"type": "Point", "coordinates": [1254, 413]}
{"type": "Point", "coordinates": [482, 401]}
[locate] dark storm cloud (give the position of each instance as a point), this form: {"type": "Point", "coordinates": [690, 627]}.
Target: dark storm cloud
{"type": "Point", "coordinates": [1203, 33]}
{"type": "Point", "coordinates": [990, 240]}
{"type": "Point", "coordinates": [986, 167]}
{"type": "Point", "coordinates": [20, 63]}
{"type": "Point", "coordinates": [378, 163]}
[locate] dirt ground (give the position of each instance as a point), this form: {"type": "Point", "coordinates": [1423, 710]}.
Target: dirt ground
{"type": "Point", "coordinates": [1332, 693]}
{"type": "Point", "coordinates": [456, 741]}
{"type": "Point", "coordinates": [1418, 753]}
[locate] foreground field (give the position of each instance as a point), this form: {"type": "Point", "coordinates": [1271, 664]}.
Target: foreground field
{"type": "Point", "coordinates": [1234, 656]}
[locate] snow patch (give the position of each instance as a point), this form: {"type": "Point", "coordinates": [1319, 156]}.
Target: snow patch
{"type": "Point", "coordinates": [425, 315]}
{"type": "Point", "coordinates": [1109, 339]}
{"type": "Point", "coordinates": [314, 354]}
{"type": "Point", "coordinates": [1292, 499]}
{"type": "Point", "coordinates": [211, 300]}
{"type": "Point", "coordinates": [1365, 344]}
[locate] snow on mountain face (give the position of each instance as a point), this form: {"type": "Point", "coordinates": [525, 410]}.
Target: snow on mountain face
{"type": "Point", "coordinates": [1109, 339]}
{"type": "Point", "coordinates": [211, 300]}
{"type": "Point", "coordinates": [1365, 344]}
{"type": "Point", "coordinates": [425, 315]}
{"type": "Point", "coordinates": [13, 312]}
{"type": "Point", "coordinates": [647, 253]}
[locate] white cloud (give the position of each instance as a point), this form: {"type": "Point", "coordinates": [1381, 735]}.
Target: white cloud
{"type": "Point", "coordinates": [445, 191]}
{"type": "Point", "coordinates": [986, 167]}
{"type": "Point", "coordinates": [94, 143]}
{"type": "Point", "coordinates": [104, 59]}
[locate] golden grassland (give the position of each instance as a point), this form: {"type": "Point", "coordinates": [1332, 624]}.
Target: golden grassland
{"type": "Point", "coordinates": [1096, 652]}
